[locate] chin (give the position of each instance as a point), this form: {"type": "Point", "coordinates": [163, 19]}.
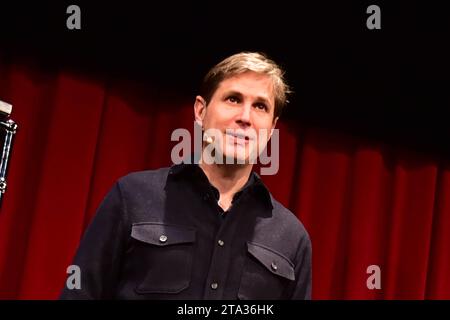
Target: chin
{"type": "Point", "coordinates": [238, 156]}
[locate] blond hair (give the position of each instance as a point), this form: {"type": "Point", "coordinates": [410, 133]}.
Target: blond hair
{"type": "Point", "coordinates": [243, 62]}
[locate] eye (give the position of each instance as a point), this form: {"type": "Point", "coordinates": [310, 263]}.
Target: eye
{"type": "Point", "coordinates": [233, 99]}
{"type": "Point", "coordinates": [261, 106]}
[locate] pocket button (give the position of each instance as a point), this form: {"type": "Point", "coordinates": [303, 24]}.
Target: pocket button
{"type": "Point", "coordinates": [274, 266]}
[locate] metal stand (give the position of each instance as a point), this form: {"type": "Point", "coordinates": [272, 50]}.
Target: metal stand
{"type": "Point", "coordinates": [10, 127]}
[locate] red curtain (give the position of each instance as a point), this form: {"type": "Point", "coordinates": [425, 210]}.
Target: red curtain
{"type": "Point", "coordinates": [364, 203]}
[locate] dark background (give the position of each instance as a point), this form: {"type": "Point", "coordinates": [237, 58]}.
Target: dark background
{"type": "Point", "coordinates": [389, 84]}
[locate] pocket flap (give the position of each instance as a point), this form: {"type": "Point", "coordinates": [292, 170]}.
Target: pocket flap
{"type": "Point", "coordinates": [162, 234]}
{"type": "Point", "coordinates": [274, 261]}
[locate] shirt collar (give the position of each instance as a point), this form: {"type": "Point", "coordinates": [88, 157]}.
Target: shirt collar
{"type": "Point", "coordinates": [254, 184]}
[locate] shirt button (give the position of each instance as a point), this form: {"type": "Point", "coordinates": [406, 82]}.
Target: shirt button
{"type": "Point", "coordinates": [163, 238]}
{"type": "Point", "coordinates": [221, 243]}
{"type": "Point", "coordinates": [274, 266]}
{"type": "Point", "coordinates": [214, 285]}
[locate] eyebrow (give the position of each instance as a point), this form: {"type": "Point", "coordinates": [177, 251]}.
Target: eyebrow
{"type": "Point", "coordinates": [240, 95]}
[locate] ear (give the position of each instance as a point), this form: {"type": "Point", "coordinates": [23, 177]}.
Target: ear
{"type": "Point", "coordinates": [199, 110]}
{"type": "Point", "coordinates": [273, 126]}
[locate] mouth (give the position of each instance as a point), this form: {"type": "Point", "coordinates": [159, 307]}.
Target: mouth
{"type": "Point", "coordinates": [239, 138]}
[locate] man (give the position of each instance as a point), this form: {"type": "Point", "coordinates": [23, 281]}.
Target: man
{"type": "Point", "coordinates": [209, 230]}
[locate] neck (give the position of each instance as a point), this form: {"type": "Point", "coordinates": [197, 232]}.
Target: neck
{"type": "Point", "coordinates": [227, 179]}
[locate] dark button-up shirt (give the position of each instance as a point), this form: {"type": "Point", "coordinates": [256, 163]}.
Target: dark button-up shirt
{"type": "Point", "coordinates": [160, 234]}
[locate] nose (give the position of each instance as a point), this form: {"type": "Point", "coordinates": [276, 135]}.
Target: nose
{"type": "Point", "coordinates": [244, 115]}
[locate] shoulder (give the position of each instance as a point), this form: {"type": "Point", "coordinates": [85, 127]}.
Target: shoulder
{"type": "Point", "coordinates": [141, 185]}
{"type": "Point", "coordinates": [147, 178]}
{"type": "Point", "coordinates": [143, 193]}
{"type": "Point", "coordinates": [288, 222]}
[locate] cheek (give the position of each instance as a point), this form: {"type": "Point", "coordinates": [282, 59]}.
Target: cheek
{"type": "Point", "coordinates": [263, 134]}
{"type": "Point", "coordinates": [264, 124]}
{"type": "Point", "coordinates": [220, 118]}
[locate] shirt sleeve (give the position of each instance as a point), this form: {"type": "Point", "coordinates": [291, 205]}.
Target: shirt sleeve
{"type": "Point", "coordinates": [303, 271]}
{"type": "Point", "coordinates": [100, 252]}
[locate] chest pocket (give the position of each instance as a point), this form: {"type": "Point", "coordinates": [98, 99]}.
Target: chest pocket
{"type": "Point", "coordinates": [162, 257]}
{"type": "Point", "coordinates": [266, 274]}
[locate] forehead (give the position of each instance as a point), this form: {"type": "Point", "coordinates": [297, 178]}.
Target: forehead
{"type": "Point", "coordinates": [250, 84]}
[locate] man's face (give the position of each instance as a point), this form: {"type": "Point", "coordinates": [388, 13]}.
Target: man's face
{"type": "Point", "coordinates": [242, 112]}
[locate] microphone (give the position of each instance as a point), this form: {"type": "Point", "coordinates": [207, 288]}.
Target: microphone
{"type": "Point", "coordinates": [207, 138]}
